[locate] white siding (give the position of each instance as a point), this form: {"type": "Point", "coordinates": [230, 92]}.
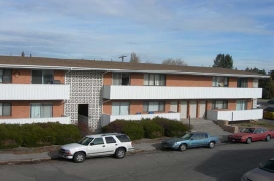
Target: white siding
{"type": "Point", "coordinates": [163, 92]}
{"type": "Point", "coordinates": [62, 120]}
{"type": "Point", "coordinates": [253, 114]}
{"type": "Point", "coordinates": [34, 92]}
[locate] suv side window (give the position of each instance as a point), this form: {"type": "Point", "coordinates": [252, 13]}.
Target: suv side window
{"type": "Point", "coordinates": [123, 138]}
{"type": "Point", "coordinates": [98, 141]}
{"type": "Point", "coordinates": [110, 139]}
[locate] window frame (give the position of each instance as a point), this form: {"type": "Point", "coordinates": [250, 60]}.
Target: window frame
{"type": "Point", "coordinates": [120, 106]}
{"type": "Point", "coordinates": [217, 81]}
{"type": "Point", "coordinates": [41, 106]}
{"type": "Point", "coordinates": [242, 82]}
{"type": "Point", "coordinates": [46, 76]}
{"type": "Point", "coordinates": [2, 107]}
{"type": "Point", "coordinates": [5, 76]}
{"type": "Point", "coordinates": [240, 104]}
{"type": "Point", "coordinates": [119, 79]}
{"type": "Point", "coordinates": [149, 105]}
{"type": "Point", "coordinates": [154, 80]}
{"type": "Point", "coordinates": [224, 104]}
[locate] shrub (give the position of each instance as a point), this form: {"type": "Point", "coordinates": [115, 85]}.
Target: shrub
{"type": "Point", "coordinates": [133, 129]}
{"type": "Point", "coordinates": [171, 127]}
{"type": "Point", "coordinates": [152, 129]}
{"type": "Point", "coordinates": [9, 137]}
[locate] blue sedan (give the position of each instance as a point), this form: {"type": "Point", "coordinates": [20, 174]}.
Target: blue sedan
{"type": "Point", "coordinates": [191, 140]}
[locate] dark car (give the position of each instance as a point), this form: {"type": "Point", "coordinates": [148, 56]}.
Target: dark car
{"type": "Point", "coordinates": [268, 113]}
{"type": "Point", "coordinates": [190, 140]}
{"type": "Point", "coordinates": [271, 101]}
{"type": "Point", "coordinates": [248, 135]}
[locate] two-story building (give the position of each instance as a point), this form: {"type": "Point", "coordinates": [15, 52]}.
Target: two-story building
{"type": "Point", "coordinates": [34, 89]}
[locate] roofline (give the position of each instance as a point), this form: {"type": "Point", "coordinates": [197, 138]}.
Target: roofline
{"type": "Point", "coordinates": [178, 72]}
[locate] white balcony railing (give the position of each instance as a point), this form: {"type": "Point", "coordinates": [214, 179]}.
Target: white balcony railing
{"type": "Point", "coordinates": [62, 120]}
{"type": "Point", "coordinates": [163, 92]}
{"type": "Point", "coordinates": [106, 119]}
{"type": "Point", "coordinates": [240, 115]}
{"type": "Point", "coordinates": [34, 91]}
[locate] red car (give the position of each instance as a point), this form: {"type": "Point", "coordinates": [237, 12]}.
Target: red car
{"type": "Point", "coordinates": [247, 135]}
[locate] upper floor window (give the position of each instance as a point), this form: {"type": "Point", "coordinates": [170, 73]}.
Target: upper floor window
{"type": "Point", "coordinates": [120, 79]}
{"type": "Point", "coordinates": [155, 79]}
{"type": "Point", "coordinates": [241, 105]}
{"type": "Point", "coordinates": [242, 82]}
{"type": "Point", "coordinates": [5, 76]}
{"type": "Point", "coordinates": [41, 110]}
{"type": "Point", "coordinates": [5, 109]}
{"type": "Point", "coordinates": [120, 108]}
{"type": "Point", "coordinates": [153, 106]}
{"type": "Point", "coordinates": [42, 76]}
{"type": "Point", "coordinates": [220, 82]}
{"type": "Point", "coordinates": [219, 104]}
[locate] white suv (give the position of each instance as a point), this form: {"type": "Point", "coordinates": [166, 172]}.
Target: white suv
{"type": "Point", "coordinates": [116, 144]}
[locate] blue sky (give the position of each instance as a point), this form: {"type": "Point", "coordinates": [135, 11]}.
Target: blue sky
{"type": "Point", "coordinates": [195, 31]}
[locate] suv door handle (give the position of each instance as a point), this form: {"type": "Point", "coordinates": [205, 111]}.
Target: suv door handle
{"type": "Point", "coordinates": [103, 145]}
{"type": "Point", "coordinates": [116, 144]}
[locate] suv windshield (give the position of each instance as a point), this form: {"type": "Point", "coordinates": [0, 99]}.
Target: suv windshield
{"type": "Point", "coordinates": [85, 141]}
{"type": "Point", "coordinates": [268, 166]}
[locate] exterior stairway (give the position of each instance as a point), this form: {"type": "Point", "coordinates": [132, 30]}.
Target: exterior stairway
{"type": "Point", "coordinates": [207, 126]}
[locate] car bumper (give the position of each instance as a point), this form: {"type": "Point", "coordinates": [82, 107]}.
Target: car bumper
{"type": "Point", "coordinates": [66, 156]}
{"type": "Point", "coordinates": [238, 140]}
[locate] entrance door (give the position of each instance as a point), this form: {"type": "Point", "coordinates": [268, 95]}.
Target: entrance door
{"type": "Point", "coordinates": [183, 109]}
{"type": "Point", "coordinates": [193, 109]}
{"type": "Point", "coordinates": [202, 109]}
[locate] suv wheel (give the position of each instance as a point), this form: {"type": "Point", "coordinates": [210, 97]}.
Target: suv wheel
{"type": "Point", "coordinates": [120, 153]}
{"type": "Point", "coordinates": [79, 157]}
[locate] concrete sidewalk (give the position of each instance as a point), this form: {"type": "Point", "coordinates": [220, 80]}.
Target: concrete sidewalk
{"type": "Point", "coordinates": [37, 155]}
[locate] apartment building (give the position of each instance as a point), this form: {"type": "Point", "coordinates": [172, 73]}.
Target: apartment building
{"type": "Point", "coordinates": [35, 89]}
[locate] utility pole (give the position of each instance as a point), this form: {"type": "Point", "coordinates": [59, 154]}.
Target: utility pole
{"type": "Point", "coordinates": [122, 57]}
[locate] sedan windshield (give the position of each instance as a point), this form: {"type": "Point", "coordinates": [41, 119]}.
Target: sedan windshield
{"type": "Point", "coordinates": [187, 136]}
{"type": "Point", "coordinates": [85, 141]}
{"type": "Point", "coordinates": [268, 166]}
{"type": "Point", "coordinates": [247, 130]}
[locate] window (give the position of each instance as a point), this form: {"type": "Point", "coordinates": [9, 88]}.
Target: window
{"type": "Point", "coordinates": [153, 106]}
{"type": "Point", "coordinates": [120, 108]}
{"type": "Point", "coordinates": [110, 140]}
{"type": "Point", "coordinates": [41, 110]}
{"type": "Point", "coordinates": [241, 105]}
{"type": "Point", "coordinates": [154, 79]}
{"type": "Point", "coordinates": [98, 141]}
{"type": "Point", "coordinates": [242, 82]}
{"type": "Point", "coordinates": [123, 138]}
{"type": "Point", "coordinates": [5, 109]}
{"type": "Point", "coordinates": [219, 104]}
{"type": "Point", "coordinates": [120, 79]}
{"type": "Point", "coordinates": [220, 82]}
{"type": "Point", "coordinates": [5, 76]}
{"type": "Point", "coordinates": [42, 76]}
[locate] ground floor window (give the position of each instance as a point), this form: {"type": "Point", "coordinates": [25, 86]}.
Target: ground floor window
{"type": "Point", "coordinates": [120, 108]}
{"type": "Point", "coordinates": [219, 104]}
{"type": "Point", "coordinates": [241, 105]}
{"type": "Point", "coordinates": [5, 109]}
{"type": "Point", "coordinates": [153, 106]}
{"type": "Point", "coordinates": [41, 110]}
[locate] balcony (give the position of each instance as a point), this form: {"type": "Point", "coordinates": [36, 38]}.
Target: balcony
{"type": "Point", "coordinates": [235, 115]}
{"type": "Point", "coordinates": [62, 120]}
{"type": "Point", "coordinates": [163, 92]}
{"type": "Point", "coordinates": [34, 92]}
{"type": "Point", "coordinates": [106, 119]}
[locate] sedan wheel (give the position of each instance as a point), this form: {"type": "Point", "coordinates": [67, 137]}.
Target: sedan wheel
{"type": "Point", "coordinates": [268, 138]}
{"type": "Point", "coordinates": [182, 147]}
{"type": "Point", "coordinates": [248, 140]}
{"type": "Point", "coordinates": [211, 145]}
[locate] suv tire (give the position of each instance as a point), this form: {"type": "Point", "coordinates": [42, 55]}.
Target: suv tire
{"type": "Point", "coordinates": [79, 157]}
{"type": "Point", "coordinates": [120, 153]}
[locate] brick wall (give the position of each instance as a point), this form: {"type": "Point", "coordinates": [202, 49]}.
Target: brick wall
{"type": "Point", "coordinates": [21, 76]}
{"type": "Point", "coordinates": [188, 80]}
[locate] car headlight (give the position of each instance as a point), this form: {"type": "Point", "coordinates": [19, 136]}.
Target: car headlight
{"type": "Point", "coordinates": [176, 143]}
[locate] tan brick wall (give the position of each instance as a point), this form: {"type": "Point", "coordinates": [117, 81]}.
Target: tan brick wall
{"type": "Point", "coordinates": [137, 79]}
{"type": "Point", "coordinates": [107, 79]}
{"type": "Point", "coordinates": [188, 80]}
{"type": "Point", "coordinates": [232, 82]}
{"type": "Point", "coordinates": [59, 75]}
{"type": "Point", "coordinates": [21, 76]}
{"type": "Point", "coordinates": [21, 109]}
{"type": "Point", "coordinates": [231, 105]}
{"type": "Point", "coordinates": [249, 104]}
{"type": "Point", "coordinates": [136, 106]}
{"type": "Point", "coordinates": [250, 83]}
{"type": "Point", "coordinates": [107, 107]}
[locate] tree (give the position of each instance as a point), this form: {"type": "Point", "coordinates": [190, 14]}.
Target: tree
{"type": "Point", "coordinates": [223, 61]}
{"type": "Point", "coordinates": [177, 61]}
{"type": "Point", "coordinates": [134, 58]}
